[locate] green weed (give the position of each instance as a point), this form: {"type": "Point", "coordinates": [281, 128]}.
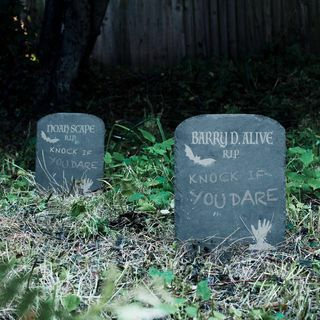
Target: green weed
{"type": "Point", "coordinates": [303, 167]}
{"type": "Point", "coordinates": [144, 174]}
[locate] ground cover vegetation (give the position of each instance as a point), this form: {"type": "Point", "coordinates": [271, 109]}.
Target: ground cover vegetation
{"type": "Point", "coordinates": [112, 254]}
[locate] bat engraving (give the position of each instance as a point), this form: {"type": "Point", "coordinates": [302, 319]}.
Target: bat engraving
{"type": "Point", "coordinates": [48, 139]}
{"type": "Point", "coordinates": [196, 159]}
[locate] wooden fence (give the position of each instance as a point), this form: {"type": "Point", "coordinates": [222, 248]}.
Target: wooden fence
{"type": "Point", "coordinates": [146, 33]}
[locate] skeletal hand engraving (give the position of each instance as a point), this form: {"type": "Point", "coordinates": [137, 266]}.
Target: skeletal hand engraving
{"type": "Point", "coordinates": [260, 235]}
{"type": "Point", "coordinates": [85, 185]}
{"type": "Point", "coordinates": [261, 232]}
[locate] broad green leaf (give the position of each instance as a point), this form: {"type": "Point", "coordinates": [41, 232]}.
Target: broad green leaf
{"type": "Point", "coordinates": [107, 158]}
{"type": "Point", "coordinates": [305, 187]}
{"type": "Point", "coordinates": [161, 180]}
{"type": "Point", "coordinates": [314, 183]}
{"type": "Point", "coordinates": [118, 156]}
{"type": "Point", "coordinates": [160, 198]}
{"type": "Point", "coordinates": [135, 197]}
{"type": "Point", "coordinates": [295, 177]}
{"type": "Point", "coordinates": [12, 197]}
{"type": "Point", "coordinates": [148, 136]}
{"type": "Point", "coordinates": [152, 183]}
{"type": "Point", "coordinates": [167, 275]}
{"type": "Point", "coordinates": [71, 302]}
{"type": "Point", "coordinates": [279, 316]}
{"type": "Point", "coordinates": [154, 272]}
{"type": "Point", "coordinates": [191, 311]}
{"type": "Point", "coordinates": [146, 206]}
{"type": "Point", "coordinates": [218, 316]}
{"type": "Point", "coordinates": [168, 143]}
{"type": "Point", "coordinates": [203, 290]}
{"type": "Point", "coordinates": [77, 209]}
{"type": "Point", "coordinates": [158, 149]}
{"type": "Point", "coordinates": [307, 157]}
{"type": "Point", "coordinates": [296, 150]}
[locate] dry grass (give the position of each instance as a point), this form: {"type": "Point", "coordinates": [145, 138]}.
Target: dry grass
{"type": "Point", "coordinates": [71, 255]}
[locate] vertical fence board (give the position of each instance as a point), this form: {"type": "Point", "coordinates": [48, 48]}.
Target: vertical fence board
{"type": "Point", "coordinates": [188, 25]}
{"type": "Point", "coordinates": [223, 22]}
{"type": "Point", "coordinates": [139, 27]}
{"type": "Point", "coordinates": [232, 28]}
{"type": "Point", "coordinates": [199, 28]}
{"type": "Point", "coordinates": [241, 27]}
{"type": "Point", "coordinates": [285, 18]}
{"type": "Point", "coordinates": [267, 21]}
{"type": "Point", "coordinates": [314, 25]}
{"type": "Point", "coordinates": [294, 27]}
{"type": "Point", "coordinates": [155, 47]}
{"type": "Point", "coordinates": [134, 35]}
{"type": "Point", "coordinates": [177, 30]}
{"type": "Point", "coordinates": [107, 47]}
{"type": "Point", "coordinates": [276, 19]}
{"type": "Point", "coordinates": [304, 24]}
{"type": "Point", "coordinates": [214, 27]}
{"type": "Point", "coordinates": [317, 30]}
{"type": "Point", "coordinates": [206, 17]}
{"type": "Point", "coordinates": [259, 26]}
{"type": "Point", "coordinates": [250, 26]}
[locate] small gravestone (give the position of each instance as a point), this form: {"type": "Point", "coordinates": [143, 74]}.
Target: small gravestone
{"type": "Point", "coordinates": [70, 150]}
{"type": "Point", "coordinates": [230, 180]}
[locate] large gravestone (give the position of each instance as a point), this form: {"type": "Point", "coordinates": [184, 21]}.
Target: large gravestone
{"type": "Point", "coordinates": [70, 150]}
{"type": "Point", "coordinates": [230, 180]}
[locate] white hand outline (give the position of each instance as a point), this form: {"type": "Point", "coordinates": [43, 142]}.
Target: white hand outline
{"type": "Point", "coordinates": [85, 184]}
{"type": "Point", "coordinates": [260, 235]}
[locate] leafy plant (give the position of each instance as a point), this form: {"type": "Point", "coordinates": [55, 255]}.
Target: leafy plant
{"type": "Point", "coordinates": [203, 290]}
{"type": "Point", "coordinates": [166, 276]}
{"type": "Point", "coordinates": [30, 303]}
{"type": "Point", "coordinates": [303, 168]}
{"type": "Point", "coordinates": [144, 177]}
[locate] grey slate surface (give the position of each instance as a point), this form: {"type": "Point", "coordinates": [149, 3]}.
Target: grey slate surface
{"type": "Point", "coordinates": [230, 180]}
{"type": "Point", "coordinates": [70, 151]}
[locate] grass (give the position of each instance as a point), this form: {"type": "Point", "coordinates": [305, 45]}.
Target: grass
{"type": "Point", "coordinates": [68, 246]}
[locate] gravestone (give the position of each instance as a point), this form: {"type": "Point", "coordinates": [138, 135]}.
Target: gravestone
{"type": "Point", "coordinates": [230, 180]}
{"type": "Point", "coordinates": [70, 151]}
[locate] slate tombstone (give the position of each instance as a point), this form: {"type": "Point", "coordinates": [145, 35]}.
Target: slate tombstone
{"type": "Point", "coordinates": [70, 151]}
{"type": "Point", "coordinates": [230, 180]}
